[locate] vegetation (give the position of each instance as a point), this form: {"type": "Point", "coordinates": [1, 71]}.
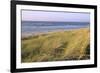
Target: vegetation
{"type": "Point", "coordinates": [57, 46]}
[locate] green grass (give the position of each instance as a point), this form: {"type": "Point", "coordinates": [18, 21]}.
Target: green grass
{"type": "Point", "coordinates": [57, 46]}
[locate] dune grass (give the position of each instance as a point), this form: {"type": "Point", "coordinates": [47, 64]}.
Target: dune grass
{"type": "Point", "coordinates": [57, 46]}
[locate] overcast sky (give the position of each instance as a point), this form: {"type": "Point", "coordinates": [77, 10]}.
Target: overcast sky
{"type": "Point", "coordinates": [55, 16]}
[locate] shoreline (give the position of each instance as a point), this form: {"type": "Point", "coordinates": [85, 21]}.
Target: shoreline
{"type": "Point", "coordinates": [26, 35]}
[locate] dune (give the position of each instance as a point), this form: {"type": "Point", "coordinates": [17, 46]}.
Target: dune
{"type": "Point", "coordinates": [57, 46]}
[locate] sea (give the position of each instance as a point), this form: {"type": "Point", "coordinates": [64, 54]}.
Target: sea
{"type": "Point", "coordinates": [34, 27]}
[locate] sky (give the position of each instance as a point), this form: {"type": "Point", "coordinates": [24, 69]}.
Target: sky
{"type": "Point", "coordinates": [28, 15]}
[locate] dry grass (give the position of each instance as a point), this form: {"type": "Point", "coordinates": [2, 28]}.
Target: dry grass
{"type": "Point", "coordinates": [57, 46]}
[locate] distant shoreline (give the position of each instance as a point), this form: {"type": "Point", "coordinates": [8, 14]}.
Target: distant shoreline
{"type": "Point", "coordinates": [25, 35]}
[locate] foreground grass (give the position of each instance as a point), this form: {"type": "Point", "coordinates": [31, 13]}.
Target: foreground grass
{"type": "Point", "coordinates": [57, 46]}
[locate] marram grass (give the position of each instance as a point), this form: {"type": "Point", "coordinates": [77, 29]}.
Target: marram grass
{"type": "Point", "coordinates": [57, 46]}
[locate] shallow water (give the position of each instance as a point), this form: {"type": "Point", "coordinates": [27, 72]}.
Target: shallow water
{"type": "Point", "coordinates": [31, 28]}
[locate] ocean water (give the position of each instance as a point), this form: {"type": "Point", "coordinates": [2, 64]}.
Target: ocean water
{"type": "Point", "coordinates": [33, 27]}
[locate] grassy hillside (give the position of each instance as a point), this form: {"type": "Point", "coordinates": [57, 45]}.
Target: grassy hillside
{"type": "Point", "coordinates": [57, 46]}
